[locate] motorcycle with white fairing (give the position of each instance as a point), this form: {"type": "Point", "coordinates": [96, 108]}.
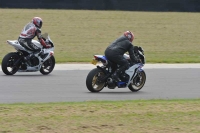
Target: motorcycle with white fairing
{"type": "Point", "coordinates": [134, 78]}
{"type": "Point", "coordinates": [42, 61]}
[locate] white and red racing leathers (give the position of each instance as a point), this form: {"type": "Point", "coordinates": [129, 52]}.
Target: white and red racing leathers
{"type": "Point", "coordinates": [28, 33]}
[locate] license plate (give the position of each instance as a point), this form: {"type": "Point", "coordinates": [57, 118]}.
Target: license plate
{"type": "Point", "coordinates": [94, 61]}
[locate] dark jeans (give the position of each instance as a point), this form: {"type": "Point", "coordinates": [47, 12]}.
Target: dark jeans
{"type": "Point", "coordinates": [117, 59]}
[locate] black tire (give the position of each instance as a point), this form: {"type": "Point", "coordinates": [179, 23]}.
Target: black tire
{"type": "Point", "coordinates": [7, 64]}
{"type": "Point", "coordinates": [92, 82]}
{"type": "Point", "coordinates": [138, 82]}
{"type": "Point", "coordinates": [48, 66]}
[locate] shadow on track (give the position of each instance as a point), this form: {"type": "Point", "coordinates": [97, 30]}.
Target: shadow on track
{"type": "Point", "coordinates": [118, 92]}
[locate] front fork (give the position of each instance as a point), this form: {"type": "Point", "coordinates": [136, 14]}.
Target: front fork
{"type": "Point", "coordinates": [137, 76]}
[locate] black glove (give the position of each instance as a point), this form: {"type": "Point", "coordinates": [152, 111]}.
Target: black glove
{"type": "Point", "coordinates": [136, 49]}
{"type": "Point", "coordinates": [140, 49]}
{"type": "Point", "coordinates": [137, 60]}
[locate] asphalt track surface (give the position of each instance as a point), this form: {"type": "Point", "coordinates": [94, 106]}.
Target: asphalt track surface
{"type": "Point", "coordinates": [67, 84]}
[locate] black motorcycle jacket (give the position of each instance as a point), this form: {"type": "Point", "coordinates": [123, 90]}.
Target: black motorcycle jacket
{"type": "Point", "coordinates": [121, 46]}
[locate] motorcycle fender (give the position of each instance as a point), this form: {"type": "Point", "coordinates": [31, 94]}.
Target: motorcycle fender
{"type": "Point", "coordinates": [140, 69]}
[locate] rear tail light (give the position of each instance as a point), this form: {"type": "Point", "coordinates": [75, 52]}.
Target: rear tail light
{"type": "Point", "coordinates": [95, 57]}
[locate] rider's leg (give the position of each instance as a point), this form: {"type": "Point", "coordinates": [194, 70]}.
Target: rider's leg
{"type": "Point", "coordinates": [33, 48]}
{"type": "Point", "coordinates": [123, 63]}
{"type": "Point", "coordinates": [117, 59]}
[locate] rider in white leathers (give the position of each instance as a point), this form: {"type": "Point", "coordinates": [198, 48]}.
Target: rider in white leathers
{"type": "Point", "coordinates": [29, 31]}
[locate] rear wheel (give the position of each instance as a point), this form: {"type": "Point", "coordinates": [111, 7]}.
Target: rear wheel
{"type": "Point", "coordinates": [138, 82]}
{"type": "Point", "coordinates": [48, 66]}
{"type": "Point", "coordinates": [93, 82]}
{"type": "Point", "coordinates": [8, 63]}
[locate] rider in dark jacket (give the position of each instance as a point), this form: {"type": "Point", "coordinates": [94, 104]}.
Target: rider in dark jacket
{"type": "Point", "coordinates": [115, 51]}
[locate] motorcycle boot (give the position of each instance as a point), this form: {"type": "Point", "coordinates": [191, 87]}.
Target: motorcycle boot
{"type": "Point", "coordinates": [119, 71]}
{"type": "Point", "coordinates": [115, 76]}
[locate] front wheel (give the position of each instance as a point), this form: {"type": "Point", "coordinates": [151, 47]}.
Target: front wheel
{"type": "Point", "coordinates": [138, 82]}
{"type": "Point", "coordinates": [9, 65]}
{"type": "Point", "coordinates": [48, 66]}
{"type": "Point", "coordinates": [93, 82]}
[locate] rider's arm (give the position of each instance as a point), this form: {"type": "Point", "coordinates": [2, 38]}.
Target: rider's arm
{"type": "Point", "coordinates": [132, 54]}
{"type": "Point", "coordinates": [39, 36]}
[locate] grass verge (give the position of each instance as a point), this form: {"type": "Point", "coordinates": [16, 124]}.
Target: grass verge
{"type": "Point", "coordinates": [167, 37]}
{"type": "Point", "coordinates": [138, 116]}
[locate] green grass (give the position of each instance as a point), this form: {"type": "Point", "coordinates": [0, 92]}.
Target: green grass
{"type": "Point", "coordinates": [167, 37]}
{"type": "Point", "coordinates": [138, 116]}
